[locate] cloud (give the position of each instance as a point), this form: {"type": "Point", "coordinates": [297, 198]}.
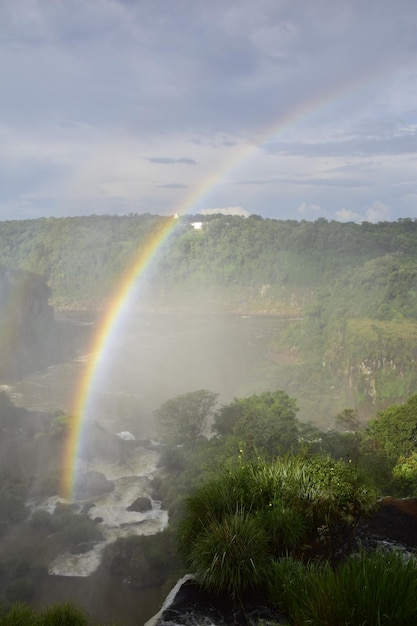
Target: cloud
{"type": "Point", "coordinates": [249, 181]}
{"type": "Point", "coordinates": [345, 215]}
{"type": "Point", "coordinates": [173, 186]}
{"type": "Point", "coordinates": [378, 212]}
{"type": "Point", "coordinates": [311, 211]}
{"type": "Point", "coordinates": [404, 142]}
{"type": "Point", "coordinates": [284, 98]}
{"type": "Point", "coordinates": [170, 161]}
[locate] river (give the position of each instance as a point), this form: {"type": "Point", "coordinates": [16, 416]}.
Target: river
{"type": "Point", "coordinates": [153, 358]}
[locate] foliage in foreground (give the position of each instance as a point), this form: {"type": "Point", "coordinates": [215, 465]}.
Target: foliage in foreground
{"type": "Point", "coordinates": [235, 523]}
{"type": "Point", "coordinates": [377, 588]}
{"type": "Point", "coordinates": [56, 615]}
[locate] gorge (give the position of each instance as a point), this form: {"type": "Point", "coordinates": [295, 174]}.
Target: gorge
{"type": "Point", "coordinates": [208, 316]}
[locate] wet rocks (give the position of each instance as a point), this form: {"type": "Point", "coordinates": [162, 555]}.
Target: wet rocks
{"type": "Point", "coordinates": [393, 521]}
{"type": "Point", "coordinates": [92, 484]}
{"type": "Point", "coordinates": [141, 505]}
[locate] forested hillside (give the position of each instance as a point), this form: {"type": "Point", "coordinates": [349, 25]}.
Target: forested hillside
{"type": "Point", "coordinates": [81, 258]}
{"type": "Point", "coordinates": [270, 264]}
{"type": "Point", "coordinates": [353, 287]}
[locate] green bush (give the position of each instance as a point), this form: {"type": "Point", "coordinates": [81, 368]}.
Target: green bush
{"type": "Point", "coordinates": [233, 524]}
{"type": "Point", "coordinates": [285, 528]}
{"type": "Point", "coordinates": [324, 490]}
{"type": "Point", "coordinates": [19, 615]}
{"type": "Point", "coordinates": [378, 588]}
{"type": "Point", "coordinates": [231, 554]}
{"type": "Point", "coordinates": [63, 615]}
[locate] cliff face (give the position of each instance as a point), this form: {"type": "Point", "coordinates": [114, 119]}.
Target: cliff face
{"type": "Point", "coordinates": [27, 326]}
{"type": "Point", "coordinates": [376, 358]}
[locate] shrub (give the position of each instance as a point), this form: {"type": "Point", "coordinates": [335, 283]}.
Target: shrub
{"type": "Point", "coordinates": [377, 588]}
{"type": "Point", "coordinates": [325, 491]}
{"type": "Point", "coordinates": [231, 554]}
{"type": "Point", "coordinates": [63, 615]}
{"type": "Point", "coordinates": [19, 615]}
{"type": "Point", "coordinates": [234, 523]}
{"type": "Point", "coordinates": [66, 614]}
{"type": "Point", "coordinates": [285, 528]}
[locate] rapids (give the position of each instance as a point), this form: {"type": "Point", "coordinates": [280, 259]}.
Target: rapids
{"type": "Point", "coordinates": [131, 479]}
{"type": "Point", "coordinates": [155, 358]}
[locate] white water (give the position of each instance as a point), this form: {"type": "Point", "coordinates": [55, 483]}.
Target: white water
{"type": "Point", "coordinates": [131, 480]}
{"type": "Point", "coordinates": [158, 358]}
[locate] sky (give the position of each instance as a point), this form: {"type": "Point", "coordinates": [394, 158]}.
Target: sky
{"type": "Point", "coordinates": [288, 109]}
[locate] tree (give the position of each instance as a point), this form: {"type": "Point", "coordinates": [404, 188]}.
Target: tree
{"type": "Point", "coordinates": [266, 422]}
{"type": "Point", "coordinates": [349, 421]}
{"type": "Point", "coordinates": [395, 429]}
{"type": "Point", "coordinates": [184, 418]}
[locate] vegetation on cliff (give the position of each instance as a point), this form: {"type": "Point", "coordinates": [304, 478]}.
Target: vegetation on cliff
{"type": "Point", "coordinates": [353, 287]}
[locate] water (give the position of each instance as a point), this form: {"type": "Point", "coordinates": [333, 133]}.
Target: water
{"type": "Point", "coordinates": [152, 359]}
{"type": "Point", "coordinates": [131, 479]}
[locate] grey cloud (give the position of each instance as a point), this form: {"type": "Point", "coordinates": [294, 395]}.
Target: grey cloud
{"type": "Point", "coordinates": [170, 161]}
{"type": "Point", "coordinates": [186, 161]}
{"type": "Point", "coordinates": [330, 182]}
{"type": "Point", "coordinates": [405, 143]}
{"type": "Point", "coordinates": [261, 181]}
{"type": "Point", "coordinates": [173, 186]}
{"type": "Point", "coordinates": [319, 182]}
{"type": "Point", "coordinates": [123, 71]}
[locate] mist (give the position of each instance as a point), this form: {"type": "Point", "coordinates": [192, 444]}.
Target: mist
{"type": "Point", "coordinates": [152, 358]}
{"type": "Point", "coordinates": [321, 314]}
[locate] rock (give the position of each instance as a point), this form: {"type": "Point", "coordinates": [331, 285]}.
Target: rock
{"type": "Point", "coordinates": [191, 606]}
{"type": "Point", "coordinates": [395, 521]}
{"type": "Point", "coordinates": [141, 505]}
{"type": "Point", "coordinates": [87, 507]}
{"type": "Point", "coordinates": [92, 484]}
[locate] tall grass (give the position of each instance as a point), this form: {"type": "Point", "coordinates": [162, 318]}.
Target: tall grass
{"type": "Point", "coordinates": [231, 554]}
{"type": "Point", "coordinates": [233, 524]}
{"type": "Point", "coordinates": [56, 615]}
{"type": "Point", "coordinates": [63, 615]}
{"type": "Point", "coordinates": [19, 615]}
{"type": "Point", "coordinates": [66, 614]}
{"type": "Point", "coordinates": [377, 589]}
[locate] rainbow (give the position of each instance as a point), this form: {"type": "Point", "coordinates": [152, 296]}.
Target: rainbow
{"type": "Point", "coordinates": [108, 327]}
{"type": "Point", "coordinates": [103, 337]}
